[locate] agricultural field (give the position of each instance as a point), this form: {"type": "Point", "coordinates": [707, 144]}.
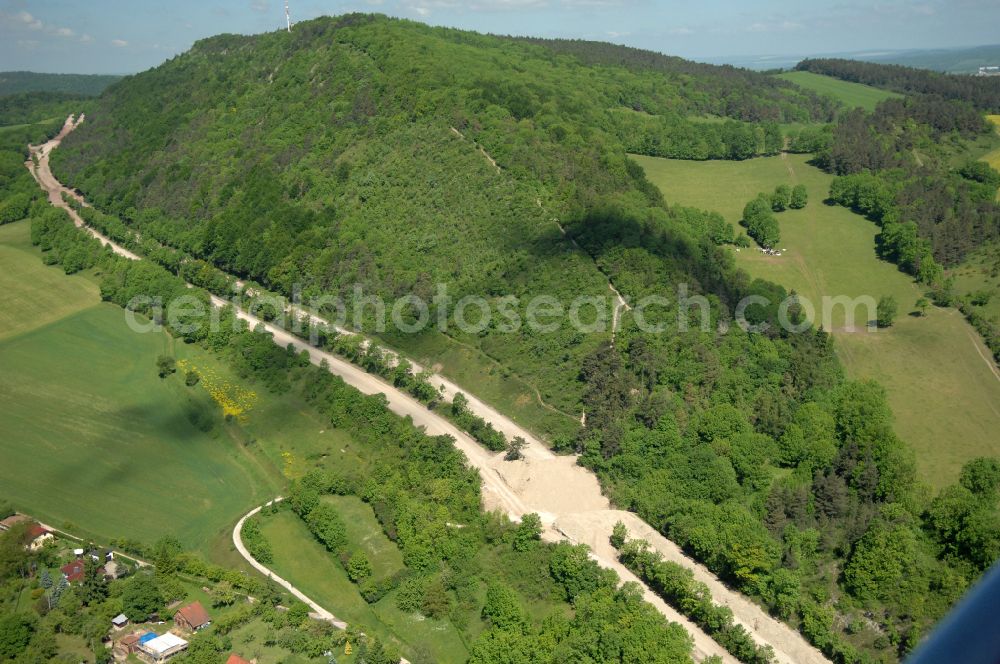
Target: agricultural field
{"type": "Point", "coordinates": [94, 441]}
{"type": "Point", "coordinates": [849, 94]}
{"type": "Point", "coordinates": [939, 379]}
{"type": "Point", "coordinates": [303, 561]}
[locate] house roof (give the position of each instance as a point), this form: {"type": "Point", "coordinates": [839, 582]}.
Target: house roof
{"type": "Point", "coordinates": [130, 639]}
{"type": "Point", "coordinates": [120, 619]}
{"type": "Point", "coordinates": [37, 530]}
{"type": "Point", "coordinates": [194, 613]}
{"type": "Point", "coordinates": [236, 659]}
{"type": "Point", "coordinates": [73, 570]}
{"type": "Point", "coordinates": [163, 643]}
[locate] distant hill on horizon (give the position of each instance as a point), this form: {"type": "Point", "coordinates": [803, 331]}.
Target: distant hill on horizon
{"type": "Point", "coordinates": [91, 85]}
{"type": "Point", "coordinates": [948, 60]}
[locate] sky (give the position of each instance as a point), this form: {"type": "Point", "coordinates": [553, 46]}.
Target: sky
{"type": "Point", "coordinates": [126, 36]}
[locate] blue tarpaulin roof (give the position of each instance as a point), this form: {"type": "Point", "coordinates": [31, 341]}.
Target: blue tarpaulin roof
{"type": "Point", "coordinates": [147, 637]}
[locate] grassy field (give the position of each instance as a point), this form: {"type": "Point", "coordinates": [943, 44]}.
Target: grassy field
{"type": "Point", "coordinates": [92, 439]}
{"type": "Point", "coordinates": [847, 93]}
{"type": "Point", "coordinates": [942, 390]}
{"type": "Point", "coordinates": [34, 296]}
{"type": "Point", "coordinates": [365, 534]}
{"type": "Point", "coordinates": [299, 558]}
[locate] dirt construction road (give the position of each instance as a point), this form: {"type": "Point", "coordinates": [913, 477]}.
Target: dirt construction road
{"type": "Point", "coordinates": [566, 496]}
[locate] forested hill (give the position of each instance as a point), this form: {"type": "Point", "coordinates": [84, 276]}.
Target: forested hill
{"type": "Point", "coordinates": [15, 82]}
{"type": "Point", "coordinates": [983, 92]}
{"type": "Point", "coordinates": [382, 152]}
{"type": "Point", "coordinates": [724, 90]}
{"type": "Point", "coordinates": [326, 156]}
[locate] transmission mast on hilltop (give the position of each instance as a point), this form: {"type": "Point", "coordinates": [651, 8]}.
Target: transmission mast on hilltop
{"type": "Point", "coordinates": [288, 17]}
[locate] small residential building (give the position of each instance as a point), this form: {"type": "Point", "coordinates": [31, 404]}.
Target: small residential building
{"type": "Point", "coordinates": [161, 648]}
{"type": "Point", "coordinates": [119, 621]}
{"type": "Point", "coordinates": [236, 659]}
{"type": "Point", "coordinates": [38, 536]}
{"type": "Point", "coordinates": [73, 571]}
{"type": "Point", "coordinates": [192, 617]}
{"type": "Point", "coordinates": [127, 645]}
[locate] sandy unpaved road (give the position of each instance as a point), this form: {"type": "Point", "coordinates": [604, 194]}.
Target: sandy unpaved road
{"type": "Point", "coordinates": [566, 496]}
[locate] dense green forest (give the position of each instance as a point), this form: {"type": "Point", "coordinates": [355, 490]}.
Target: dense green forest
{"type": "Point", "coordinates": [17, 188]}
{"type": "Point", "coordinates": [31, 107]}
{"type": "Point", "coordinates": [909, 159]}
{"type": "Point", "coordinates": [88, 85]}
{"type": "Point", "coordinates": [346, 152]}
{"type": "Point", "coordinates": [325, 157]}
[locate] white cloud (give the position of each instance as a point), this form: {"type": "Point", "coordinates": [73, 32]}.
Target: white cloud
{"type": "Point", "coordinates": [259, 5]}
{"type": "Point", "coordinates": [29, 20]}
{"type": "Point", "coordinates": [119, 42]}
{"type": "Point", "coordinates": [680, 31]}
{"type": "Point", "coordinates": [64, 32]}
{"type": "Point", "coordinates": [86, 39]}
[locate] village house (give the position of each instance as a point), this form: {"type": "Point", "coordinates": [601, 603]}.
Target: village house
{"type": "Point", "coordinates": [119, 621]}
{"type": "Point", "coordinates": [236, 659]}
{"type": "Point", "coordinates": [73, 571]}
{"type": "Point", "coordinates": [38, 536]}
{"type": "Point", "coordinates": [192, 617]}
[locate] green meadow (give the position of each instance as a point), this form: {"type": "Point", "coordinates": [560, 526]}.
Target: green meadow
{"type": "Point", "coordinates": [849, 94]}
{"type": "Point", "coordinates": [940, 383]}
{"type": "Point", "coordinates": [93, 440]}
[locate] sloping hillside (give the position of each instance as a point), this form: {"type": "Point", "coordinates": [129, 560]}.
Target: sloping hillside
{"type": "Point", "coordinates": [347, 152]}
{"type": "Point", "coordinates": [396, 157]}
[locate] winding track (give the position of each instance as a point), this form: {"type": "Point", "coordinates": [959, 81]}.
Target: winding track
{"type": "Point", "coordinates": [566, 496]}
{"type": "Point", "coordinates": [317, 611]}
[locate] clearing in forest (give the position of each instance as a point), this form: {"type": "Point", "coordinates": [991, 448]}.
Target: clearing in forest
{"type": "Point", "coordinates": [849, 94]}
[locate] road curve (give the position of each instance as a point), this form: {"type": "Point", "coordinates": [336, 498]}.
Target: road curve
{"type": "Point", "coordinates": [567, 496]}
{"type": "Point", "coordinates": [317, 611]}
